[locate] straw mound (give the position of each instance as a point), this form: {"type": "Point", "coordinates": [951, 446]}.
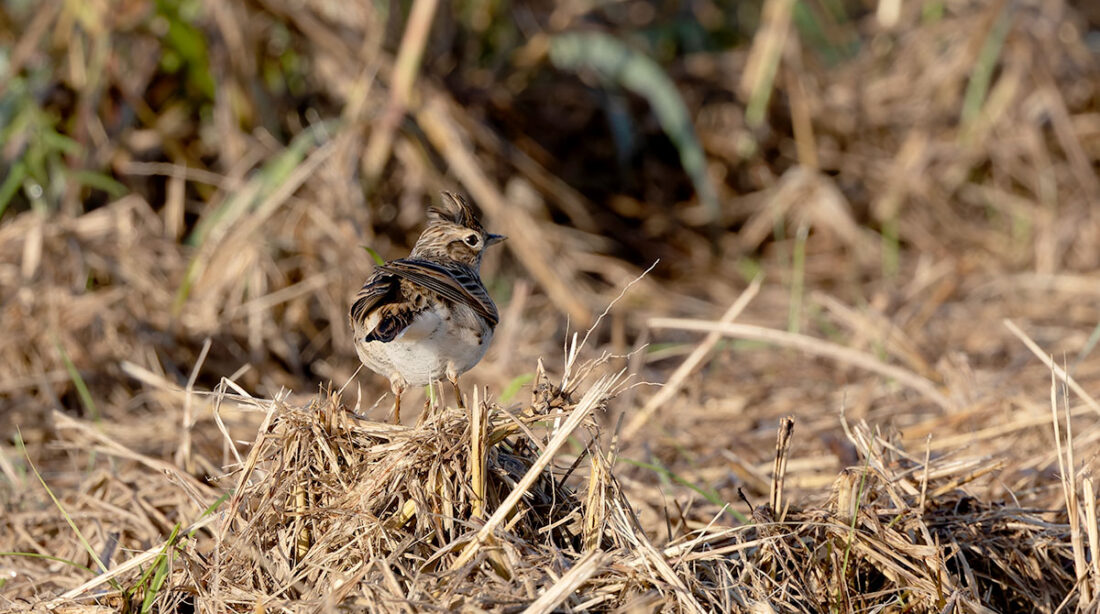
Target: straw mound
{"type": "Point", "coordinates": [331, 493]}
{"type": "Point", "coordinates": [456, 510]}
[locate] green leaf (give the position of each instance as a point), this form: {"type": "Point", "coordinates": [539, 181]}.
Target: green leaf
{"type": "Point", "coordinates": [378, 259]}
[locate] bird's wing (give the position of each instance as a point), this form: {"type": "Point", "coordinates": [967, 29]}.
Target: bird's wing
{"type": "Point", "coordinates": [380, 312]}
{"type": "Point", "coordinates": [455, 283]}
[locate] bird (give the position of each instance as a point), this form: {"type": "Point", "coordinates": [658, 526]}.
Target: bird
{"type": "Point", "coordinates": [426, 317]}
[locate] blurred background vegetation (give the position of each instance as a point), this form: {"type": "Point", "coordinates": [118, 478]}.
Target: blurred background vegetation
{"type": "Point", "coordinates": [178, 171]}
{"type": "Point", "coordinates": [94, 94]}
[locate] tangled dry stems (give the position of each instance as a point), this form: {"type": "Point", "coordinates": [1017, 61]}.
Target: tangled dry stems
{"type": "Point", "coordinates": [334, 512]}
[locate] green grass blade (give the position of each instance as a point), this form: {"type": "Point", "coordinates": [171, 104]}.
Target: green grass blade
{"type": "Point", "coordinates": [213, 507]}
{"type": "Point", "coordinates": [982, 74]}
{"type": "Point", "coordinates": [184, 291]}
{"type": "Point", "coordinates": [36, 555]}
{"type": "Point", "coordinates": [159, 571]}
{"type": "Point", "coordinates": [99, 181]}
{"type": "Point", "coordinates": [83, 541]}
{"type": "Point", "coordinates": [514, 386]}
{"type": "Point", "coordinates": [78, 381]}
{"type": "Point", "coordinates": [707, 494]}
{"type": "Point", "coordinates": [167, 543]}
{"type": "Point", "coordinates": [268, 179]}
{"type": "Point", "coordinates": [163, 567]}
{"type": "Point", "coordinates": [11, 184]}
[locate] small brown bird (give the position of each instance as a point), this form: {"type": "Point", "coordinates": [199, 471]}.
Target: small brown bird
{"type": "Point", "coordinates": [422, 318]}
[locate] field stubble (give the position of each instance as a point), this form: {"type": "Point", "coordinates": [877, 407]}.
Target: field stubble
{"type": "Point", "coordinates": [894, 410]}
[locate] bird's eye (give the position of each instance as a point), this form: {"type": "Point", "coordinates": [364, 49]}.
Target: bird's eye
{"type": "Point", "coordinates": [472, 240]}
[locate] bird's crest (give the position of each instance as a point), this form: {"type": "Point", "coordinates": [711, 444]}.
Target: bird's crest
{"type": "Point", "coordinates": [455, 210]}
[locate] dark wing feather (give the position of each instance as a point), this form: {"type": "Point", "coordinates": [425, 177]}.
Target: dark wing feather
{"type": "Point", "coordinates": [381, 295]}
{"type": "Point", "coordinates": [369, 296]}
{"type": "Point", "coordinates": [455, 283]}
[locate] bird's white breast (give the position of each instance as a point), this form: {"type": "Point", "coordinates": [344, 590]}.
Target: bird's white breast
{"type": "Point", "coordinates": [438, 340]}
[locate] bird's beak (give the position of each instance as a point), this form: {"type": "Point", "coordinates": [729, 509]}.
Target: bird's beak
{"type": "Point", "coordinates": [492, 239]}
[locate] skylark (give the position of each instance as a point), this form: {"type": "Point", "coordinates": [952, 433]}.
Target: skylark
{"type": "Point", "coordinates": [422, 318]}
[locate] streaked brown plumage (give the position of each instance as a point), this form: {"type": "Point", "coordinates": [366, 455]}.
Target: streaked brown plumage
{"type": "Point", "coordinates": [422, 318]}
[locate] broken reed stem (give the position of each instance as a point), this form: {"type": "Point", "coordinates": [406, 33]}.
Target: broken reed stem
{"type": "Point", "coordinates": [782, 451]}
{"type": "Point", "coordinates": [966, 478]}
{"type": "Point", "coordinates": [1069, 481]}
{"type": "Point", "coordinates": [479, 424]}
{"type": "Point", "coordinates": [301, 505]}
{"type": "Point", "coordinates": [594, 503]}
{"type": "Point", "coordinates": [249, 468]}
{"type": "Point", "coordinates": [1068, 473]}
{"type": "Point", "coordinates": [1093, 532]}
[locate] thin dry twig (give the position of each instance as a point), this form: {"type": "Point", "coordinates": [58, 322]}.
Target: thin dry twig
{"type": "Point", "coordinates": [691, 363]}
{"type": "Point", "coordinates": [812, 346]}
{"type": "Point", "coordinates": [1054, 368]}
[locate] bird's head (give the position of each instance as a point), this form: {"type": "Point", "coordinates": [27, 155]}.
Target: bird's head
{"type": "Point", "coordinates": [454, 234]}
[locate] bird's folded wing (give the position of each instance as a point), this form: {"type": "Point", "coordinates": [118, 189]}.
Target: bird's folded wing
{"type": "Point", "coordinates": [379, 313]}
{"type": "Point", "coordinates": [458, 284]}
{"type": "Point", "coordinates": [378, 285]}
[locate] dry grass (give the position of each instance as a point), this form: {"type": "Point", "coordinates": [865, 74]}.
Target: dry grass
{"type": "Point", "coordinates": [330, 510]}
{"type": "Point", "coordinates": [895, 413]}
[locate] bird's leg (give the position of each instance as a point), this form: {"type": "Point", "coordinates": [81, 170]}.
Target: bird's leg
{"type": "Point", "coordinates": [398, 387]}
{"type": "Point", "coordinates": [453, 377]}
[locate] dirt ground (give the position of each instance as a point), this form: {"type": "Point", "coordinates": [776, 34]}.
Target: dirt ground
{"type": "Point", "coordinates": [799, 306]}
